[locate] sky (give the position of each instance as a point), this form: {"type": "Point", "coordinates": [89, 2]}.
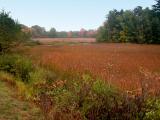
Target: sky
{"type": "Point", "coordinates": [67, 15]}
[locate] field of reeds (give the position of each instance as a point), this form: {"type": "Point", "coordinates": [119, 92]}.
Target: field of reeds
{"type": "Point", "coordinates": [118, 64]}
{"type": "Point", "coordinates": [86, 81]}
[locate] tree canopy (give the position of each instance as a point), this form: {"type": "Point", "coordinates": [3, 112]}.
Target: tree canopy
{"type": "Point", "coordinates": [9, 31]}
{"type": "Point", "coordinates": [136, 26]}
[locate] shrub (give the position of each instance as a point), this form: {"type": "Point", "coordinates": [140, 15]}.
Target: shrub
{"type": "Point", "coordinates": [16, 65]}
{"type": "Point", "coordinates": [7, 63]}
{"type": "Point", "coordinates": [88, 98]}
{"type": "Point", "coordinates": [78, 95]}
{"type": "Point", "coordinates": [23, 68]}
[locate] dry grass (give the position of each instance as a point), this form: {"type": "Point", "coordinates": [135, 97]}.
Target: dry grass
{"type": "Point", "coordinates": [75, 40]}
{"type": "Point", "coordinates": [118, 64]}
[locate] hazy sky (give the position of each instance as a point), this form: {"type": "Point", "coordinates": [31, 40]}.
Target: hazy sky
{"type": "Point", "coordinates": [66, 14]}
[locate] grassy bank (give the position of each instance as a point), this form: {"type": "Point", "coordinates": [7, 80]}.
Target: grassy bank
{"type": "Point", "coordinates": [12, 108]}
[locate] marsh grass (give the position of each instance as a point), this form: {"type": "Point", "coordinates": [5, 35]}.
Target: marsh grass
{"type": "Point", "coordinates": [69, 95]}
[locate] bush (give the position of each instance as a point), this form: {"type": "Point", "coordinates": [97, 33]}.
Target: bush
{"type": "Point", "coordinates": [7, 63]}
{"type": "Point", "coordinates": [23, 68]}
{"type": "Point", "coordinates": [88, 98]}
{"type": "Point", "coordinates": [16, 65]}
{"type": "Point", "coordinates": [77, 95]}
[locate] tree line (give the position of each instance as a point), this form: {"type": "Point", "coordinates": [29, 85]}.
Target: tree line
{"type": "Point", "coordinates": [136, 26]}
{"type": "Point", "coordinates": [12, 33]}
{"type": "Point", "coordinates": [37, 31]}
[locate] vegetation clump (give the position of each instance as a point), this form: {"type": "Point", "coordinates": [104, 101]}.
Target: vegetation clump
{"type": "Point", "coordinates": [62, 95]}
{"type": "Point", "coordinates": [134, 26]}
{"type": "Point", "coordinates": [11, 33]}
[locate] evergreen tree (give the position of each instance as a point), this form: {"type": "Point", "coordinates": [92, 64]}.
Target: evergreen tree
{"type": "Point", "coordinates": [9, 31]}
